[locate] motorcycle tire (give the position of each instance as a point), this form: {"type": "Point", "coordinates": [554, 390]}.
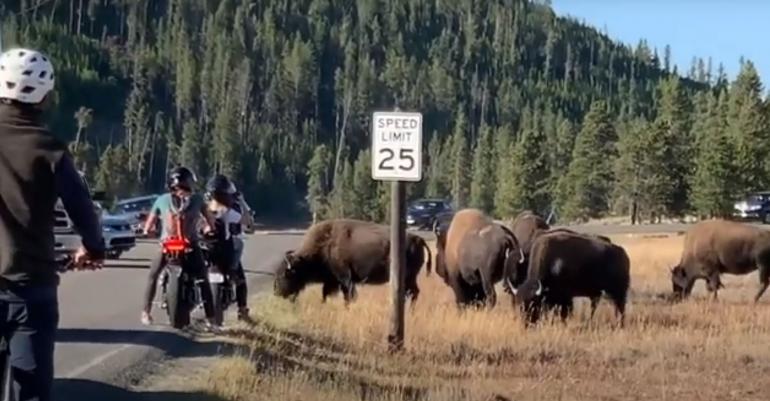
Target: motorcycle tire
{"type": "Point", "coordinates": [218, 295]}
{"type": "Point", "coordinates": [178, 308]}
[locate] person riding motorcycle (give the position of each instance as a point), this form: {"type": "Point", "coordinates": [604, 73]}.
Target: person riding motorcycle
{"type": "Point", "coordinates": [181, 201]}
{"type": "Point", "coordinates": [224, 205]}
{"type": "Point", "coordinates": [35, 170]}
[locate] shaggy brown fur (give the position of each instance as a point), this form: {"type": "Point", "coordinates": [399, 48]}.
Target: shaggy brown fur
{"type": "Point", "coordinates": [340, 253]}
{"type": "Point", "coordinates": [478, 253]}
{"type": "Point", "coordinates": [713, 247]}
{"type": "Point", "coordinates": [564, 265]}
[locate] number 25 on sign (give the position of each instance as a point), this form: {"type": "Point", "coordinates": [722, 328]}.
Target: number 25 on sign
{"type": "Point", "coordinates": [397, 146]}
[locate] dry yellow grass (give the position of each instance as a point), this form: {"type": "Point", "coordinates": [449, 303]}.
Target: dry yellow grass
{"type": "Point", "coordinates": [697, 349]}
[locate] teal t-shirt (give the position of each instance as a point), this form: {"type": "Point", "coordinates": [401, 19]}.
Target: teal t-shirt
{"type": "Point", "coordinates": [189, 210]}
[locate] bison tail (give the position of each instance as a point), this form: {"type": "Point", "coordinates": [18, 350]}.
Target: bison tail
{"type": "Point", "coordinates": [427, 249]}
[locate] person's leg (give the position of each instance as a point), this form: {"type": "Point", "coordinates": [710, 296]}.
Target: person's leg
{"type": "Point", "coordinates": [198, 267]}
{"type": "Point", "coordinates": [156, 265]}
{"type": "Point", "coordinates": [33, 333]}
{"type": "Point", "coordinates": [241, 288]}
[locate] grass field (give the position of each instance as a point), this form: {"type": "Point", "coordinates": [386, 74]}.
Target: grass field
{"type": "Point", "coordinates": [695, 350]}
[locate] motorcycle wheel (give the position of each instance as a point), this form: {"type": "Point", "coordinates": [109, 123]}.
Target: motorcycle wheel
{"type": "Point", "coordinates": [178, 310]}
{"type": "Point", "coordinates": [218, 294]}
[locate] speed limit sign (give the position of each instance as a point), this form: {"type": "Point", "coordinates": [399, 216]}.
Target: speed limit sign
{"type": "Point", "coordinates": [397, 146]}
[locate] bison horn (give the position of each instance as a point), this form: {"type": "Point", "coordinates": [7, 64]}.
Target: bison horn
{"type": "Point", "coordinates": [521, 256]}
{"type": "Point", "coordinates": [539, 289]}
{"type": "Point", "coordinates": [510, 284]}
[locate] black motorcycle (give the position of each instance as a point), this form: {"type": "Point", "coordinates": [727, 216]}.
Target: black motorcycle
{"type": "Point", "coordinates": [220, 280]}
{"type": "Point", "coordinates": [180, 288]}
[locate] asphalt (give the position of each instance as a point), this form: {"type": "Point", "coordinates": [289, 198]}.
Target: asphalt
{"type": "Point", "coordinates": [102, 345]}
{"type": "Point", "coordinates": [101, 341]}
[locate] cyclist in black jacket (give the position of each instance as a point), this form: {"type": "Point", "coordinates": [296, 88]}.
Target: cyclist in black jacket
{"type": "Point", "coordinates": [35, 171]}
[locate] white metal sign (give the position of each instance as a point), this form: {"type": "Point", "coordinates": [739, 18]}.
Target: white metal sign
{"type": "Point", "coordinates": [397, 146]}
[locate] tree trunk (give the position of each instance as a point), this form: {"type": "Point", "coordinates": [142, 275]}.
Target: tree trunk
{"type": "Point", "coordinates": [80, 17]}
{"type": "Point", "coordinates": [72, 16]}
{"type": "Point", "coordinates": [341, 142]}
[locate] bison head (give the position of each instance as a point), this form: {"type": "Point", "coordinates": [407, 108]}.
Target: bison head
{"type": "Point", "coordinates": [530, 296]}
{"type": "Point", "coordinates": [681, 284]}
{"type": "Point", "coordinates": [289, 276]}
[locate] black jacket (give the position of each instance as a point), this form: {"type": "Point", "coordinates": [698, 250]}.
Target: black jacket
{"type": "Point", "coordinates": [36, 170]}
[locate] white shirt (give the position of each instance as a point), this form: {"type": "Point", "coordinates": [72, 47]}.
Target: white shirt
{"type": "Point", "coordinates": [227, 216]}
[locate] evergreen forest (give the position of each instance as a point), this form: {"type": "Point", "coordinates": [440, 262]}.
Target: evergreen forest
{"type": "Point", "coordinates": [522, 108]}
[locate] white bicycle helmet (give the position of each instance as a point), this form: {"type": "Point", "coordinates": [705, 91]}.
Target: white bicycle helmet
{"type": "Point", "coordinates": [25, 75]}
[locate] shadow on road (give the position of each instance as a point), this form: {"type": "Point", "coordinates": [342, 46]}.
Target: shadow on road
{"type": "Point", "coordinates": [173, 344]}
{"type": "Point", "coordinates": [127, 265]}
{"type": "Point", "coordinates": [77, 389]}
{"type": "Point", "coordinates": [125, 259]}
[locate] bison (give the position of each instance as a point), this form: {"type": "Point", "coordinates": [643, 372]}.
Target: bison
{"type": "Point", "coordinates": [475, 255]}
{"type": "Point", "coordinates": [526, 227]}
{"type": "Point", "coordinates": [440, 231]}
{"type": "Point", "coordinates": [564, 265]}
{"type": "Point", "coordinates": [716, 246]}
{"type": "Point", "coordinates": [341, 253]}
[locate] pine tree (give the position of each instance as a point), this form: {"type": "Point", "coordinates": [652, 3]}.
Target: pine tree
{"type": "Point", "coordinates": [341, 200]}
{"type": "Point", "coordinates": [483, 182]}
{"type": "Point", "coordinates": [461, 165]}
{"type": "Point", "coordinates": [436, 169]}
{"type": "Point", "coordinates": [748, 126]}
{"type": "Point", "coordinates": [506, 195]}
{"type": "Point", "coordinates": [319, 179]}
{"type": "Point", "coordinates": [714, 182]}
{"type": "Point", "coordinates": [192, 147]}
{"type": "Point", "coordinates": [674, 115]}
{"type": "Point", "coordinates": [588, 183]}
{"type": "Point", "coordinates": [530, 173]}
{"type": "Point", "coordinates": [364, 190]}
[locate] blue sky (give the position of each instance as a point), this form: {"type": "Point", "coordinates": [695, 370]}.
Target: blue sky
{"type": "Point", "coordinates": [720, 29]}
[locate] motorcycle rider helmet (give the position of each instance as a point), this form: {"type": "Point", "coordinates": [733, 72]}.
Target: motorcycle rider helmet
{"type": "Point", "coordinates": [181, 177]}
{"type": "Point", "coordinates": [221, 189]}
{"type": "Point", "coordinates": [26, 76]}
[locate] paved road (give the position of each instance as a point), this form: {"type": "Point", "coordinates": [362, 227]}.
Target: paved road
{"type": "Point", "coordinates": [100, 337]}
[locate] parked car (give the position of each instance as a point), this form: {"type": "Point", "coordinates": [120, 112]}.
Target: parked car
{"type": "Point", "coordinates": [755, 206]}
{"type": "Point", "coordinates": [422, 213]}
{"type": "Point", "coordinates": [117, 233]}
{"type": "Point", "coordinates": [135, 211]}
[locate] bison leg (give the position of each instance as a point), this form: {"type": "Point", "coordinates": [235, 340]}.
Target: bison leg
{"type": "Point", "coordinates": [713, 284]}
{"type": "Point", "coordinates": [345, 278]}
{"type": "Point", "coordinates": [565, 309]}
{"type": "Point", "coordinates": [594, 304]}
{"type": "Point", "coordinates": [329, 289]}
{"type": "Point", "coordinates": [764, 280]}
{"type": "Point", "coordinates": [489, 289]}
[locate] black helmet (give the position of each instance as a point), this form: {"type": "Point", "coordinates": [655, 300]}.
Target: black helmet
{"type": "Point", "coordinates": [181, 177]}
{"type": "Point", "coordinates": [221, 189]}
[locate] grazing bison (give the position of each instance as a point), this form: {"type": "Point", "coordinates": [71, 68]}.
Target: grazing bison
{"type": "Point", "coordinates": [527, 230]}
{"type": "Point", "coordinates": [340, 253]}
{"type": "Point", "coordinates": [564, 265]}
{"type": "Point", "coordinates": [713, 247]}
{"type": "Point", "coordinates": [475, 255]}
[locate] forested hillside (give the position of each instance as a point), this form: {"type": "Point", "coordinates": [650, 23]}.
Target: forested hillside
{"type": "Point", "coordinates": [522, 109]}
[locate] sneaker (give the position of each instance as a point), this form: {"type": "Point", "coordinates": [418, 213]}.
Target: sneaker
{"type": "Point", "coordinates": [146, 318]}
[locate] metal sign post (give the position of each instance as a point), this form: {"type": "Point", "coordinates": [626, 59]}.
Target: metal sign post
{"type": "Point", "coordinates": [397, 157]}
